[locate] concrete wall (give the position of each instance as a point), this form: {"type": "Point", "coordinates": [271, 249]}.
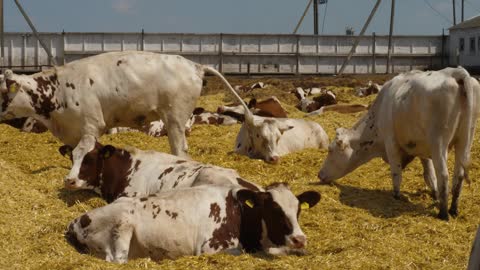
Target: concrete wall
{"type": "Point", "coordinates": [237, 53]}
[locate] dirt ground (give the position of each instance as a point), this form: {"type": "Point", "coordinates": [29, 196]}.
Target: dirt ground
{"type": "Point", "coordinates": [356, 225]}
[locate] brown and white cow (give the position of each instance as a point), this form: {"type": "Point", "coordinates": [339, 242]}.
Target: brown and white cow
{"type": "Point", "coordinates": [270, 138]}
{"type": "Point", "coordinates": [309, 105]}
{"type": "Point", "coordinates": [340, 108]}
{"type": "Point", "coordinates": [372, 88]}
{"type": "Point", "coordinates": [26, 124]}
{"type": "Point", "coordinates": [203, 220]}
{"type": "Point", "coordinates": [114, 173]}
{"type": "Point", "coordinates": [81, 100]}
{"type": "Point", "coordinates": [416, 114]}
{"type": "Point", "coordinates": [202, 117]}
{"type": "Point", "coordinates": [270, 107]}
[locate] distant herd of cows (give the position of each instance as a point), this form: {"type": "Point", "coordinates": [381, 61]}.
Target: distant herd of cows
{"type": "Point", "coordinates": [166, 206]}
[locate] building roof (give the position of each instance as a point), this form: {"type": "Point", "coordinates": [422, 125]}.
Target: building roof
{"type": "Point", "coordinates": [470, 23]}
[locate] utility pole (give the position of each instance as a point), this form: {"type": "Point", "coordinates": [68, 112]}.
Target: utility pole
{"type": "Point", "coordinates": [35, 33]}
{"type": "Point", "coordinates": [315, 17]}
{"type": "Point", "coordinates": [2, 49]}
{"type": "Point", "coordinates": [463, 9]}
{"type": "Point", "coordinates": [357, 40]}
{"type": "Point", "coordinates": [389, 55]}
{"type": "Point", "coordinates": [303, 16]}
{"type": "Point", "coordinates": [454, 16]}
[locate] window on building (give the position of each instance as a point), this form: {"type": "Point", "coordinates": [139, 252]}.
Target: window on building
{"type": "Point", "coordinates": [472, 45]}
{"type": "Point", "coordinates": [461, 45]}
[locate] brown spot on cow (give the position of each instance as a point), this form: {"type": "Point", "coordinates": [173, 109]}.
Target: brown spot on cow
{"type": "Point", "coordinates": [165, 172]}
{"type": "Point", "coordinates": [70, 85]}
{"type": "Point", "coordinates": [215, 212]}
{"type": "Point", "coordinates": [43, 99]}
{"type": "Point", "coordinates": [212, 120]}
{"type": "Point", "coordinates": [76, 103]}
{"type": "Point", "coordinates": [119, 62]}
{"type": "Point", "coordinates": [85, 221]}
{"type": "Point", "coordinates": [140, 120]}
{"type": "Point", "coordinates": [180, 161]}
{"type": "Point", "coordinates": [143, 199]}
{"type": "Point", "coordinates": [91, 82]}
{"type": "Point", "coordinates": [223, 236]}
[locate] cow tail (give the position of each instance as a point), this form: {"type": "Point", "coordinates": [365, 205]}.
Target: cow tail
{"type": "Point", "coordinates": [469, 118]}
{"type": "Point", "coordinates": [248, 114]}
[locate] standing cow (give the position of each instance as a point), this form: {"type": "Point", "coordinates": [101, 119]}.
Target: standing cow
{"type": "Point", "coordinates": [80, 101]}
{"type": "Point", "coordinates": [194, 221]}
{"type": "Point", "coordinates": [415, 114]}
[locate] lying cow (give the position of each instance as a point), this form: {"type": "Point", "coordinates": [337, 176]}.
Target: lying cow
{"type": "Point", "coordinates": [154, 128]}
{"type": "Point", "coordinates": [26, 124]}
{"type": "Point", "coordinates": [200, 116]}
{"type": "Point", "coordinates": [270, 138]}
{"type": "Point", "coordinates": [416, 114]}
{"type": "Point", "coordinates": [309, 105]}
{"type": "Point", "coordinates": [372, 88]}
{"type": "Point", "coordinates": [244, 88]}
{"type": "Point", "coordinates": [80, 101]}
{"type": "Point", "coordinates": [269, 107]}
{"type": "Point", "coordinates": [194, 221]}
{"type": "Point", "coordinates": [114, 173]}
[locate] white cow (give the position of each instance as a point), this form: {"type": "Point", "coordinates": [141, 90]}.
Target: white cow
{"type": "Point", "coordinates": [269, 138]}
{"type": "Point", "coordinates": [114, 172]}
{"type": "Point", "coordinates": [194, 221]}
{"type": "Point", "coordinates": [80, 101]}
{"type": "Point", "coordinates": [416, 114]}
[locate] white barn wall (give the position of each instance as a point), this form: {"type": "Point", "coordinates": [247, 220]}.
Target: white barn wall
{"type": "Point", "coordinates": [236, 53]}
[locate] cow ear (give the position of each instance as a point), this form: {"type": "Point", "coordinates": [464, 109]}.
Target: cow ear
{"type": "Point", "coordinates": [65, 150]}
{"type": "Point", "coordinates": [252, 103]}
{"type": "Point", "coordinates": [284, 127]}
{"type": "Point", "coordinates": [198, 110]}
{"type": "Point", "coordinates": [308, 199]}
{"type": "Point", "coordinates": [107, 151]}
{"type": "Point", "coordinates": [247, 198]}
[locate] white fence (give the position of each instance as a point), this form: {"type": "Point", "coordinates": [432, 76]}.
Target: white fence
{"type": "Point", "coordinates": [238, 53]}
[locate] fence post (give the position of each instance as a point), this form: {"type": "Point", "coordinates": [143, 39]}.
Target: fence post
{"type": "Point", "coordinates": [374, 44]}
{"type": "Point", "coordinates": [220, 53]}
{"type": "Point", "coordinates": [442, 57]}
{"type": "Point", "coordinates": [297, 53]}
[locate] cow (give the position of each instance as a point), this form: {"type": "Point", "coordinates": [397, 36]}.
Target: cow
{"type": "Point", "coordinates": [154, 128]}
{"type": "Point", "coordinates": [270, 138]}
{"type": "Point", "coordinates": [309, 105]}
{"type": "Point", "coordinates": [26, 124]}
{"type": "Point", "coordinates": [416, 114]}
{"type": "Point", "coordinates": [269, 107]}
{"type": "Point", "coordinates": [194, 221]}
{"type": "Point", "coordinates": [200, 116]}
{"type": "Point", "coordinates": [474, 260]}
{"type": "Point", "coordinates": [340, 108]}
{"type": "Point", "coordinates": [114, 172]}
{"type": "Point", "coordinates": [372, 88]}
{"type": "Point", "coordinates": [80, 101]}
{"type": "Point", "coordinates": [244, 88]}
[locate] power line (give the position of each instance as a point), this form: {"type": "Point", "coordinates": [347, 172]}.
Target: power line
{"type": "Point", "coordinates": [471, 4]}
{"type": "Point", "coordinates": [324, 16]}
{"type": "Point", "coordinates": [438, 13]}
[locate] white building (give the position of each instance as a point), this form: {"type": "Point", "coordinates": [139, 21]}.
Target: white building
{"type": "Point", "coordinates": [465, 44]}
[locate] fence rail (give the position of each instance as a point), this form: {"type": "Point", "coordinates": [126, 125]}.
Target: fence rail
{"type": "Point", "coordinates": [237, 53]}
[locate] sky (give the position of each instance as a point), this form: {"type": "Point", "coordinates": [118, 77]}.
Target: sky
{"type": "Point", "coordinates": [413, 17]}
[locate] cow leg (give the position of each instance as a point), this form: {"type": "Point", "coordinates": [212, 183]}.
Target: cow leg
{"type": "Point", "coordinates": [394, 157]}
{"type": "Point", "coordinates": [176, 136]}
{"type": "Point", "coordinates": [459, 174]}
{"type": "Point", "coordinates": [122, 236]}
{"type": "Point", "coordinates": [439, 158]}
{"type": "Point", "coordinates": [429, 177]}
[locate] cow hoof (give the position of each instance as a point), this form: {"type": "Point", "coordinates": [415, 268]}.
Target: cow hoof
{"type": "Point", "coordinates": [453, 212]}
{"type": "Point", "coordinates": [443, 215]}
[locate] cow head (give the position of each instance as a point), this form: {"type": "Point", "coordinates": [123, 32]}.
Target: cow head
{"type": "Point", "coordinates": [264, 137]}
{"type": "Point", "coordinates": [341, 158]}
{"type": "Point", "coordinates": [270, 218]}
{"type": "Point", "coordinates": [299, 93]}
{"type": "Point", "coordinates": [14, 100]}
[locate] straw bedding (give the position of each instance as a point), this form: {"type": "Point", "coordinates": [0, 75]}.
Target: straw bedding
{"type": "Point", "coordinates": [356, 225]}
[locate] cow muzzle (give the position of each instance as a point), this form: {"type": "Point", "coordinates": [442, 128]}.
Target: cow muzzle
{"type": "Point", "coordinates": [71, 184]}
{"type": "Point", "coordinates": [273, 159]}
{"type": "Point", "coordinates": [298, 241]}
{"type": "Point", "coordinates": [322, 176]}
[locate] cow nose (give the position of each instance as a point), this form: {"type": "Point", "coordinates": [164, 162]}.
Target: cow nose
{"type": "Point", "coordinates": [298, 241]}
{"type": "Point", "coordinates": [274, 160]}
{"type": "Point", "coordinates": [70, 183]}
